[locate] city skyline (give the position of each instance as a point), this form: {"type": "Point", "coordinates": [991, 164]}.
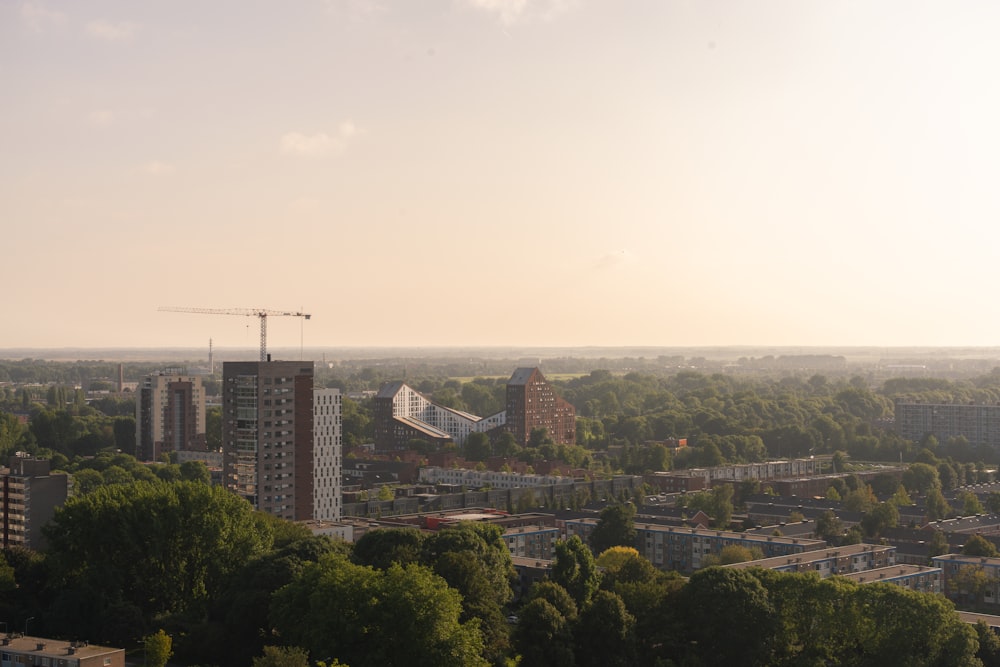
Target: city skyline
{"type": "Point", "coordinates": [485, 173]}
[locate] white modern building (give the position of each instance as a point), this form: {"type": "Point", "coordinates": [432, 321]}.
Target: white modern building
{"type": "Point", "coordinates": [327, 452]}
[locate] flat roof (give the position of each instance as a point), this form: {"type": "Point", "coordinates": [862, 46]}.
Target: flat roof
{"type": "Point", "coordinates": [889, 573]}
{"type": "Point", "coordinates": [54, 648]}
{"type": "Point", "coordinates": [812, 556]}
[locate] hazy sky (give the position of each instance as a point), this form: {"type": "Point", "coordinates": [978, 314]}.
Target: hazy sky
{"type": "Point", "coordinates": [490, 172]}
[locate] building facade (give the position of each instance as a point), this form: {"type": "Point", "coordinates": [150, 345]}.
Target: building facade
{"type": "Point", "coordinates": [532, 403]}
{"type": "Point", "coordinates": [267, 435]}
{"type": "Point", "coordinates": [31, 495]}
{"type": "Point", "coordinates": [979, 424]}
{"type": "Point", "coordinates": [684, 549]}
{"type": "Point", "coordinates": [402, 414]}
{"type": "Point", "coordinates": [327, 451]}
{"type": "Point", "coordinates": [21, 650]}
{"type": "Point", "coordinates": [169, 415]}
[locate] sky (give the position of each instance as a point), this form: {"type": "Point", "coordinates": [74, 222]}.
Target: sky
{"type": "Point", "coordinates": [500, 173]}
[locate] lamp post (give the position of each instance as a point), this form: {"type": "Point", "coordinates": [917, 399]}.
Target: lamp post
{"type": "Point", "coordinates": [30, 618]}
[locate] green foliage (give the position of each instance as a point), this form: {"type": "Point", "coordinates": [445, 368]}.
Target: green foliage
{"type": "Point", "coordinates": [239, 615]}
{"type": "Point", "coordinates": [604, 633]}
{"type": "Point", "coordinates": [366, 617]}
{"type": "Point", "coordinates": [575, 570]}
{"type": "Point", "coordinates": [474, 560]}
{"type": "Point", "coordinates": [722, 602]}
{"type": "Point", "coordinates": [615, 527]}
{"type": "Point", "coordinates": [937, 506]}
{"type": "Point", "coordinates": [383, 547]}
{"type": "Point", "coordinates": [157, 648]}
{"type": "Point", "coordinates": [977, 545]}
{"type": "Point", "coordinates": [543, 636]}
{"type": "Point", "coordinates": [881, 516]}
{"type": "Point", "coordinates": [150, 547]}
{"type": "Point", "coordinates": [970, 503]}
{"type": "Point", "coordinates": [938, 544]}
{"type": "Point", "coordinates": [282, 656]}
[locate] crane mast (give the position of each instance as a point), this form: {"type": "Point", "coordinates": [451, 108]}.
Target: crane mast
{"type": "Point", "coordinates": [260, 313]}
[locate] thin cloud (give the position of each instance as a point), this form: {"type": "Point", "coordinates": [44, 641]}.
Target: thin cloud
{"type": "Point", "coordinates": [37, 17]}
{"type": "Point", "coordinates": [319, 144]}
{"type": "Point", "coordinates": [156, 168]}
{"type": "Point", "coordinates": [509, 12]}
{"type": "Point", "coordinates": [615, 259]}
{"type": "Point", "coordinates": [112, 31]}
{"type": "Point", "coordinates": [101, 117]}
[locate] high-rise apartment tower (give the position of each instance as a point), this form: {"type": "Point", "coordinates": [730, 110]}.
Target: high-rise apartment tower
{"type": "Point", "coordinates": [281, 439]}
{"type": "Point", "coordinates": [169, 415]}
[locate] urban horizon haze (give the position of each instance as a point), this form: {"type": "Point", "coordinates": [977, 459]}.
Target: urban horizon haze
{"type": "Point", "coordinates": [489, 173]}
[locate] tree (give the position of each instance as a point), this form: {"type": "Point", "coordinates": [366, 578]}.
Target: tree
{"type": "Point", "coordinates": [604, 633]}
{"type": "Point", "coordinates": [157, 648]}
{"type": "Point", "coordinates": [282, 656]}
{"type": "Point", "coordinates": [615, 527]}
{"type": "Point", "coordinates": [970, 504]}
{"type": "Point", "coordinates": [921, 478]}
{"type": "Point", "coordinates": [989, 645]}
{"type": "Point", "coordinates": [474, 559]}
{"type": "Point", "coordinates": [829, 527]}
{"type": "Point", "coordinates": [382, 547]}
{"type": "Point", "coordinates": [477, 447]}
{"type": "Point", "coordinates": [993, 502]}
{"type": "Point", "coordinates": [937, 506]}
{"type": "Point", "coordinates": [723, 602]}
{"type": "Point", "coordinates": [901, 498]}
{"type": "Point", "coordinates": [195, 471]}
{"type": "Point", "coordinates": [543, 636]}
{"type": "Point", "coordinates": [161, 548]}
{"type": "Point", "coordinates": [880, 517]}
{"type": "Point", "coordinates": [575, 570]}
{"type": "Point", "coordinates": [977, 545]}
{"type": "Point", "coordinates": [938, 544]}
{"type": "Point", "coordinates": [366, 617]}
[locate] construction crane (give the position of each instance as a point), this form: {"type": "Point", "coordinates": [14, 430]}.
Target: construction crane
{"type": "Point", "coordinates": [261, 313]}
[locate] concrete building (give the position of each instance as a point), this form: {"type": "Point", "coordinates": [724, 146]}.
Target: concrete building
{"type": "Point", "coordinates": [970, 579]}
{"type": "Point", "coordinates": [475, 479]}
{"type": "Point", "coordinates": [532, 403]}
{"type": "Point", "coordinates": [535, 542]}
{"type": "Point", "coordinates": [169, 415]}
{"type": "Point", "coordinates": [684, 549]}
{"type": "Point", "coordinates": [21, 650]}
{"type": "Point", "coordinates": [31, 495]}
{"type": "Point", "coordinates": [269, 450]}
{"type": "Point", "coordinates": [327, 451]}
{"type": "Point", "coordinates": [979, 424]}
{"type": "Point", "coordinates": [914, 577]}
{"type": "Point", "coordinates": [840, 560]}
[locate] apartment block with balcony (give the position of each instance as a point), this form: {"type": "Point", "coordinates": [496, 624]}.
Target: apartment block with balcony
{"type": "Point", "coordinates": [31, 495]}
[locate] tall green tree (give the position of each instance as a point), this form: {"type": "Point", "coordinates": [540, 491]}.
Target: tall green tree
{"type": "Point", "coordinates": [615, 527]}
{"type": "Point", "coordinates": [153, 547]}
{"type": "Point", "coordinates": [366, 617]}
{"type": "Point", "coordinates": [575, 570]}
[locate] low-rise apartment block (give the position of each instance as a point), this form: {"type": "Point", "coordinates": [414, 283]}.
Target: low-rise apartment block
{"type": "Point", "coordinates": [685, 549]}
{"type": "Point", "coordinates": [970, 579]}
{"type": "Point", "coordinates": [534, 542]}
{"type": "Point", "coordinates": [841, 560]}
{"type": "Point", "coordinates": [913, 577]}
{"type": "Point", "coordinates": [20, 650]}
